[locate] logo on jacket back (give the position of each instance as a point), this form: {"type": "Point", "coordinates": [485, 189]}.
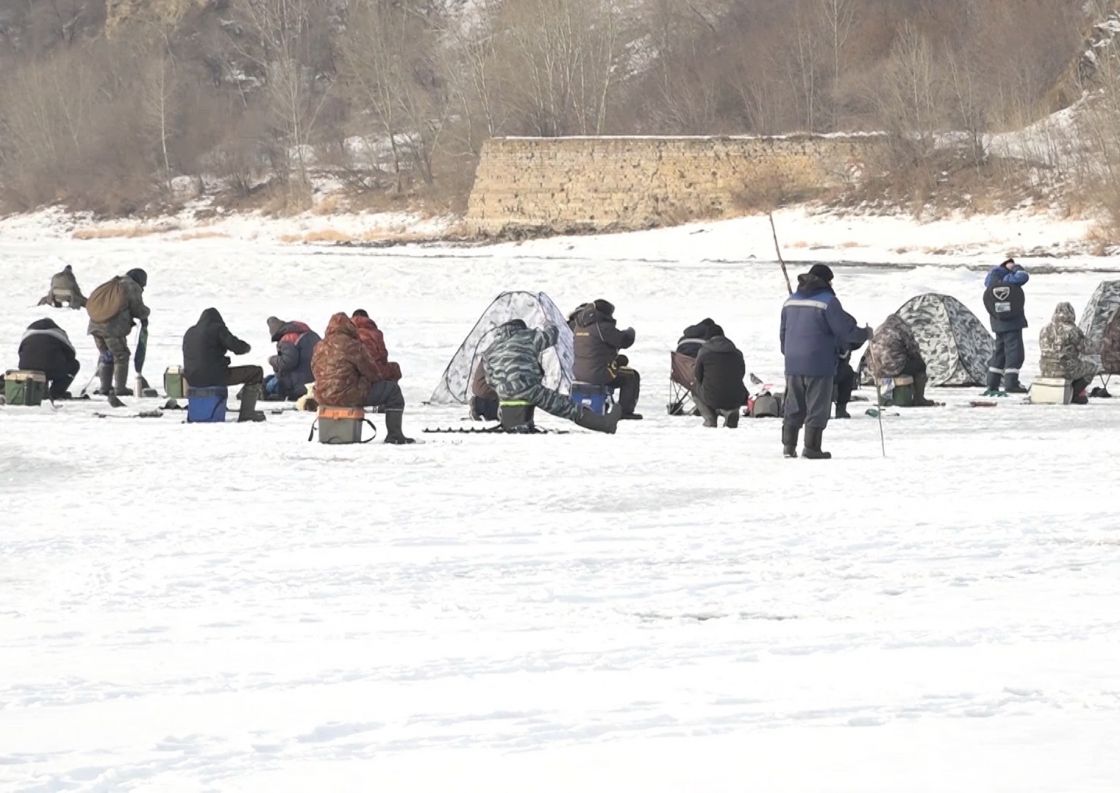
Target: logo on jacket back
{"type": "Point", "coordinates": [1001, 294]}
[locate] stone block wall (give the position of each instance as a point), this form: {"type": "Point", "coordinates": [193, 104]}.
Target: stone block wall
{"type": "Point", "coordinates": [557, 185]}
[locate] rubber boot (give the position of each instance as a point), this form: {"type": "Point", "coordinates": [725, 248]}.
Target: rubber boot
{"type": "Point", "coordinates": [518, 418]}
{"type": "Point", "coordinates": [813, 445]}
{"type": "Point", "coordinates": [120, 379]}
{"type": "Point", "coordinates": [993, 384]}
{"type": "Point", "coordinates": [731, 418]}
{"type": "Point", "coordinates": [789, 441]}
{"type": "Point", "coordinates": [590, 420]}
{"type": "Point", "coordinates": [249, 396]}
{"type": "Point", "coordinates": [920, 400]}
{"type": "Point", "coordinates": [393, 432]}
{"type": "Point", "coordinates": [105, 374]}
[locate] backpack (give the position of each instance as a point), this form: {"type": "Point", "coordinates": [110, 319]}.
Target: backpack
{"type": "Point", "coordinates": [107, 300]}
{"type": "Point", "coordinates": [766, 406]}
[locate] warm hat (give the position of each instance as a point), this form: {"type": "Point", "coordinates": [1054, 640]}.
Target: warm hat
{"type": "Point", "coordinates": [139, 276]}
{"type": "Point", "coordinates": [361, 312]}
{"type": "Point", "coordinates": [274, 326]}
{"type": "Point", "coordinates": [716, 330]}
{"type": "Point", "coordinates": [822, 271]}
{"type": "Point", "coordinates": [1006, 262]}
{"type": "Point", "coordinates": [604, 307]}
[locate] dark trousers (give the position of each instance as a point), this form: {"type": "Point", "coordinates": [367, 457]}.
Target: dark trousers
{"type": "Point", "coordinates": [845, 383]}
{"type": "Point", "coordinates": [629, 385]}
{"type": "Point", "coordinates": [385, 395]}
{"type": "Point", "coordinates": [244, 375]}
{"type": "Point", "coordinates": [1007, 359]}
{"type": "Point", "coordinates": [808, 402]}
{"type": "Point", "coordinates": [60, 380]}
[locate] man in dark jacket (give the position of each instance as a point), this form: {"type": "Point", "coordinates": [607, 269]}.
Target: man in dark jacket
{"type": "Point", "coordinates": [205, 362]}
{"type": "Point", "coordinates": [110, 322]}
{"type": "Point", "coordinates": [815, 329]}
{"type": "Point", "coordinates": [597, 343]}
{"type": "Point", "coordinates": [64, 289]}
{"type": "Point", "coordinates": [719, 372]}
{"type": "Point", "coordinates": [512, 366]}
{"type": "Point", "coordinates": [295, 346]}
{"type": "Point", "coordinates": [1004, 299]}
{"type": "Point", "coordinates": [46, 348]}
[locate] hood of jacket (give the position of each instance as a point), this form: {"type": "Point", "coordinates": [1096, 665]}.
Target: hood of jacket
{"type": "Point", "coordinates": [1064, 315]}
{"type": "Point", "coordinates": [592, 314]}
{"type": "Point", "coordinates": [365, 323]}
{"type": "Point", "coordinates": [47, 327]}
{"type": "Point", "coordinates": [292, 327]}
{"type": "Point", "coordinates": [210, 316]}
{"type": "Point", "coordinates": [340, 324]}
{"type": "Point", "coordinates": [719, 344]}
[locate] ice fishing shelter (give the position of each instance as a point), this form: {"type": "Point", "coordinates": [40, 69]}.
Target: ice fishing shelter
{"type": "Point", "coordinates": [537, 310]}
{"type": "Point", "coordinates": [954, 342]}
{"type": "Point", "coordinates": [1100, 322]}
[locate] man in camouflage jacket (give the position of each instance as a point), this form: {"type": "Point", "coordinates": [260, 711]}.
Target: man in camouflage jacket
{"type": "Point", "coordinates": [111, 336]}
{"type": "Point", "coordinates": [1062, 345]}
{"type": "Point", "coordinates": [895, 352]}
{"type": "Point", "coordinates": [513, 369]}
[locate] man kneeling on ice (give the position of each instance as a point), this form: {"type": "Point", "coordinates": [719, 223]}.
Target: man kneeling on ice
{"type": "Point", "coordinates": [205, 363]}
{"type": "Point", "coordinates": [895, 352]}
{"type": "Point", "coordinates": [347, 375]}
{"type": "Point", "coordinates": [513, 369]}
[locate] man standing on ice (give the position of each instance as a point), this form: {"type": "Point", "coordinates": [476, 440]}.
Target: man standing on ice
{"type": "Point", "coordinates": [815, 329]}
{"type": "Point", "coordinates": [1004, 300]}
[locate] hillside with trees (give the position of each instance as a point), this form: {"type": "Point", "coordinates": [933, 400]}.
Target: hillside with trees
{"type": "Point", "coordinates": [133, 106]}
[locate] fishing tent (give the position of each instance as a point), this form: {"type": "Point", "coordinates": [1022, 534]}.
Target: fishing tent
{"type": "Point", "coordinates": [954, 342]}
{"type": "Point", "coordinates": [1101, 328]}
{"type": "Point", "coordinates": [537, 311]}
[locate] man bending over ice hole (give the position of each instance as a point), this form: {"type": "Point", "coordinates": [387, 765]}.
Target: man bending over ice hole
{"type": "Point", "coordinates": [513, 369]}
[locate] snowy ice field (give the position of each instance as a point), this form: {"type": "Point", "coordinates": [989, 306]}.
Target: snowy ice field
{"type": "Point", "coordinates": [232, 608]}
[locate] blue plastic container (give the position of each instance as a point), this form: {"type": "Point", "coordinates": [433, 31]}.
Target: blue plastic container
{"type": "Point", "coordinates": [206, 404]}
{"type": "Point", "coordinates": [596, 398]}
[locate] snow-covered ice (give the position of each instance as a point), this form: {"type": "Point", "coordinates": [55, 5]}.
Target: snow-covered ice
{"type": "Point", "coordinates": [233, 608]}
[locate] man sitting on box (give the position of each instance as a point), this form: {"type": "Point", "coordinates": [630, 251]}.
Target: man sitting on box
{"type": "Point", "coordinates": [1062, 345]}
{"type": "Point", "coordinates": [46, 348]}
{"type": "Point", "coordinates": [895, 352]}
{"type": "Point", "coordinates": [205, 364]}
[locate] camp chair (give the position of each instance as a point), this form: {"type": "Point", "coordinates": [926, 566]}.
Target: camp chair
{"type": "Point", "coordinates": [680, 385]}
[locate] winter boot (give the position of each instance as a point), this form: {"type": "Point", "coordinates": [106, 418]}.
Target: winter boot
{"type": "Point", "coordinates": [842, 410]}
{"type": "Point", "coordinates": [920, 400]}
{"type": "Point", "coordinates": [731, 418]}
{"type": "Point", "coordinates": [393, 432]}
{"type": "Point", "coordinates": [249, 396]}
{"type": "Point", "coordinates": [120, 379]}
{"type": "Point", "coordinates": [813, 445]}
{"type": "Point", "coordinates": [590, 420]}
{"type": "Point", "coordinates": [518, 418]}
{"type": "Point", "coordinates": [105, 374]}
{"type": "Point", "coordinates": [1011, 384]}
{"type": "Point", "coordinates": [789, 441]}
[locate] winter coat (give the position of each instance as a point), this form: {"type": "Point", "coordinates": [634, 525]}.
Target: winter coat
{"type": "Point", "coordinates": [204, 350]}
{"type": "Point", "coordinates": [719, 373]}
{"type": "Point", "coordinates": [893, 348]}
{"type": "Point", "coordinates": [120, 324]}
{"type": "Point", "coordinates": [512, 362]}
{"type": "Point", "coordinates": [1062, 345]}
{"type": "Point", "coordinates": [694, 337]}
{"type": "Point", "coordinates": [1004, 298]}
{"type": "Point", "coordinates": [342, 367]}
{"type": "Point", "coordinates": [295, 346]}
{"type": "Point", "coordinates": [61, 283]}
{"type": "Point", "coordinates": [597, 342]}
{"type": "Point", "coordinates": [374, 340]}
{"type": "Point", "coordinates": [815, 329]}
{"type": "Point", "coordinates": [45, 347]}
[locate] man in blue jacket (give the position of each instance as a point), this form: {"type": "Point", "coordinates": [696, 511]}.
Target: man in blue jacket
{"type": "Point", "coordinates": [1004, 299]}
{"type": "Point", "coordinates": [815, 329]}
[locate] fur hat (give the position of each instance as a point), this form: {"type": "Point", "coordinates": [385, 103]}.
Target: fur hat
{"type": "Point", "coordinates": [822, 271]}
{"type": "Point", "coordinates": [274, 326]}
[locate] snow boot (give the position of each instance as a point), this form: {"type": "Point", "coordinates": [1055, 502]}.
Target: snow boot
{"type": "Point", "coordinates": [789, 441]}
{"type": "Point", "coordinates": [517, 418]}
{"type": "Point", "coordinates": [249, 396]}
{"type": "Point", "coordinates": [393, 432]}
{"type": "Point", "coordinates": [731, 418]}
{"type": "Point", "coordinates": [120, 379]}
{"type": "Point", "coordinates": [842, 410]}
{"type": "Point", "coordinates": [105, 374]}
{"type": "Point", "coordinates": [590, 420]}
{"type": "Point", "coordinates": [920, 400]}
{"type": "Point", "coordinates": [812, 449]}
{"type": "Point", "coordinates": [631, 416]}
{"type": "Point", "coordinates": [1011, 384]}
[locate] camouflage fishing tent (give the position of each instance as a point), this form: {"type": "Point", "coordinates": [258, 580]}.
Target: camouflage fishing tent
{"type": "Point", "coordinates": [537, 311]}
{"type": "Point", "coordinates": [1100, 322]}
{"type": "Point", "coordinates": [954, 342]}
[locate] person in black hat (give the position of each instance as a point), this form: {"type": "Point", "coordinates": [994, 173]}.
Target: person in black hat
{"type": "Point", "coordinates": [815, 330]}
{"type": "Point", "coordinates": [597, 360]}
{"type": "Point", "coordinates": [113, 308]}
